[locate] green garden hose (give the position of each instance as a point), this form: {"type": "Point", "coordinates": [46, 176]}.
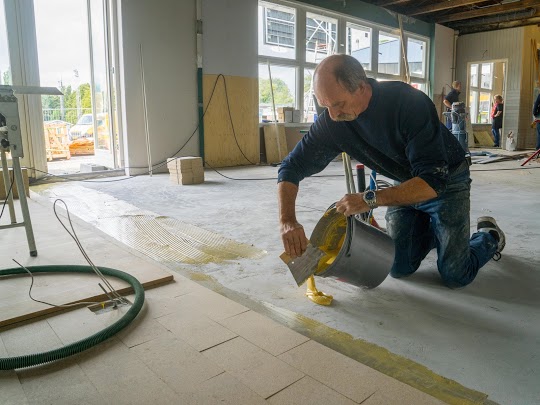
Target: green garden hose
{"type": "Point", "coordinates": [10, 363]}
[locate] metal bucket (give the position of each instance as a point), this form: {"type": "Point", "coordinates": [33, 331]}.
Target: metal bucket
{"type": "Point", "coordinates": [357, 252]}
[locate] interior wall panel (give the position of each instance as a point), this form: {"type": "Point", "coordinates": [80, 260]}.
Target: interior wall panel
{"type": "Point", "coordinates": [494, 45]}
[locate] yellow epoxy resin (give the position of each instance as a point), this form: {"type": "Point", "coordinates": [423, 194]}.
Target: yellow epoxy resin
{"type": "Point", "coordinates": [318, 297]}
{"type": "Point", "coordinates": [328, 237]}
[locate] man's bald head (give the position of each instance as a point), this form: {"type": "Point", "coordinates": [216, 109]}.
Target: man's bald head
{"type": "Point", "coordinates": [340, 84]}
{"type": "Point", "coordinates": [343, 69]}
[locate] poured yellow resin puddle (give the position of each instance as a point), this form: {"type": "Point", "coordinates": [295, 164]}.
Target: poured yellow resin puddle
{"type": "Point", "coordinates": [330, 239]}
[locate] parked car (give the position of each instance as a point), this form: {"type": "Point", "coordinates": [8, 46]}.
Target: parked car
{"type": "Point", "coordinates": [84, 128]}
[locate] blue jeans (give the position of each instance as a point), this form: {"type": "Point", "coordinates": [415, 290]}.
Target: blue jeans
{"type": "Point", "coordinates": [449, 123]}
{"type": "Point", "coordinates": [444, 223]}
{"type": "Point", "coordinates": [538, 136]}
{"type": "Point", "coordinates": [496, 135]}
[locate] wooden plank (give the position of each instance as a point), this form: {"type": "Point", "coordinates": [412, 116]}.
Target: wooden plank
{"type": "Point", "coordinates": [66, 289]}
{"type": "Point", "coordinates": [275, 143]}
{"type": "Point", "coordinates": [294, 135]}
{"type": "Point", "coordinates": [483, 138]}
{"type": "Point", "coordinates": [221, 149]}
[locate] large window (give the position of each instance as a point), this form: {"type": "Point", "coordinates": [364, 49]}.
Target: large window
{"type": "Point", "coordinates": [277, 30]}
{"type": "Point", "coordinates": [480, 95]}
{"type": "Point", "coordinates": [359, 44]}
{"type": "Point", "coordinates": [283, 85]}
{"type": "Point", "coordinates": [416, 57]}
{"type": "Point", "coordinates": [321, 37]}
{"type": "Point", "coordinates": [71, 44]}
{"type": "Point", "coordinates": [294, 39]}
{"type": "Point", "coordinates": [389, 53]}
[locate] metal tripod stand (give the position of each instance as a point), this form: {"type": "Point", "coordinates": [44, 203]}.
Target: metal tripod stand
{"type": "Point", "coordinates": [11, 142]}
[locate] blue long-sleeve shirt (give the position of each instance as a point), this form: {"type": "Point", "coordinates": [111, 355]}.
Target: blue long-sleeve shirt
{"type": "Point", "coordinates": [399, 135]}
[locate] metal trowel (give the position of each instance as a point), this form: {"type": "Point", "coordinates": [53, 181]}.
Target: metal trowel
{"type": "Point", "coordinates": [304, 266]}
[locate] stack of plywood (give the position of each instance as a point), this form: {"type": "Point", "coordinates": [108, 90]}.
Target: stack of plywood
{"type": "Point", "coordinates": [186, 170]}
{"type": "Point", "coordinates": [275, 142]}
{"type": "Point", "coordinates": [483, 138]}
{"type": "Point", "coordinates": [82, 146]}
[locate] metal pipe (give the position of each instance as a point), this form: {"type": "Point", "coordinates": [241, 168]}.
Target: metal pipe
{"type": "Point", "coordinates": [7, 185]}
{"type": "Point", "coordinates": [145, 113]}
{"type": "Point", "coordinates": [17, 172]}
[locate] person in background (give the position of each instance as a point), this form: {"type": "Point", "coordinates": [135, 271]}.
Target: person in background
{"type": "Point", "coordinates": [496, 117]}
{"type": "Point", "coordinates": [452, 97]}
{"type": "Point", "coordinates": [536, 113]}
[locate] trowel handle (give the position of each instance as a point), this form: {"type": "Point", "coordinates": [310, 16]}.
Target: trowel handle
{"type": "Point", "coordinates": [361, 177]}
{"type": "Point", "coordinates": [361, 180]}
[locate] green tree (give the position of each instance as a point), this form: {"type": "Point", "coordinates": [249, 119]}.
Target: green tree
{"type": "Point", "coordinates": [70, 100]}
{"type": "Point", "coordinates": [51, 108]}
{"type": "Point", "coordinates": [6, 77]}
{"type": "Point", "coordinates": [307, 82]}
{"type": "Point", "coordinates": [282, 93]}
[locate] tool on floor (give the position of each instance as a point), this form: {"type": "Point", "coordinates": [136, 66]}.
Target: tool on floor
{"type": "Point", "coordinates": [535, 155]}
{"type": "Point", "coordinates": [11, 142]}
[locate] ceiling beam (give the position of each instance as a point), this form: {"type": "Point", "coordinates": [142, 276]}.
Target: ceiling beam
{"type": "Point", "coordinates": [445, 5]}
{"type": "Point", "coordinates": [386, 3]}
{"type": "Point", "coordinates": [485, 11]}
{"type": "Point", "coordinates": [493, 27]}
{"type": "Point", "coordinates": [498, 19]}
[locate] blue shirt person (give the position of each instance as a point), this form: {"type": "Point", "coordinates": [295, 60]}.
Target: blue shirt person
{"type": "Point", "coordinates": [392, 128]}
{"type": "Point", "coordinates": [450, 98]}
{"type": "Point", "coordinates": [536, 113]}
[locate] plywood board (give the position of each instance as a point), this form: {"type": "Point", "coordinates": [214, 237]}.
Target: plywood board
{"type": "Point", "coordinates": [60, 289]}
{"type": "Point", "coordinates": [14, 190]}
{"type": "Point", "coordinates": [483, 138]}
{"type": "Point", "coordinates": [295, 135]}
{"type": "Point", "coordinates": [222, 146]}
{"type": "Point", "coordinates": [275, 143]}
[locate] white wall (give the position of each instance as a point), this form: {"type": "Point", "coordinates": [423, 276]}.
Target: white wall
{"type": "Point", "coordinates": [229, 47]}
{"type": "Point", "coordinates": [166, 30]}
{"type": "Point", "coordinates": [443, 55]}
{"type": "Point", "coordinates": [497, 45]}
{"type": "Point", "coordinates": [230, 37]}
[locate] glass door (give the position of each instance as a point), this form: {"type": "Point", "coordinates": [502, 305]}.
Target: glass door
{"type": "Point", "coordinates": [74, 56]}
{"type": "Point", "coordinates": [105, 139]}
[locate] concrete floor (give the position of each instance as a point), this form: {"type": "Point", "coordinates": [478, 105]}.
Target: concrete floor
{"type": "Point", "coordinates": [188, 345]}
{"type": "Point", "coordinates": [485, 336]}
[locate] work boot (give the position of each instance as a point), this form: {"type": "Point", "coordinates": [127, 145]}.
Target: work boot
{"type": "Point", "coordinates": [489, 225]}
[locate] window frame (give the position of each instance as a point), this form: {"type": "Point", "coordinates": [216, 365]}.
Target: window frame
{"type": "Point", "coordinates": [478, 89]}
{"type": "Point", "coordinates": [301, 64]}
{"type": "Point", "coordinates": [266, 33]}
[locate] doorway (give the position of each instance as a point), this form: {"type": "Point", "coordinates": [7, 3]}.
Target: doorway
{"type": "Point", "coordinates": [74, 53]}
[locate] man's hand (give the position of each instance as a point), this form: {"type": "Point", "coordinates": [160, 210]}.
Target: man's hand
{"type": "Point", "coordinates": [352, 204]}
{"type": "Point", "coordinates": [294, 238]}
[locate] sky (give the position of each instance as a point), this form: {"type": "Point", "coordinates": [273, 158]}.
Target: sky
{"type": "Point", "coordinates": [62, 38]}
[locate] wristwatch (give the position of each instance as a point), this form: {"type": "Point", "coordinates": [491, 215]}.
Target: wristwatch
{"type": "Point", "coordinates": [370, 197]}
